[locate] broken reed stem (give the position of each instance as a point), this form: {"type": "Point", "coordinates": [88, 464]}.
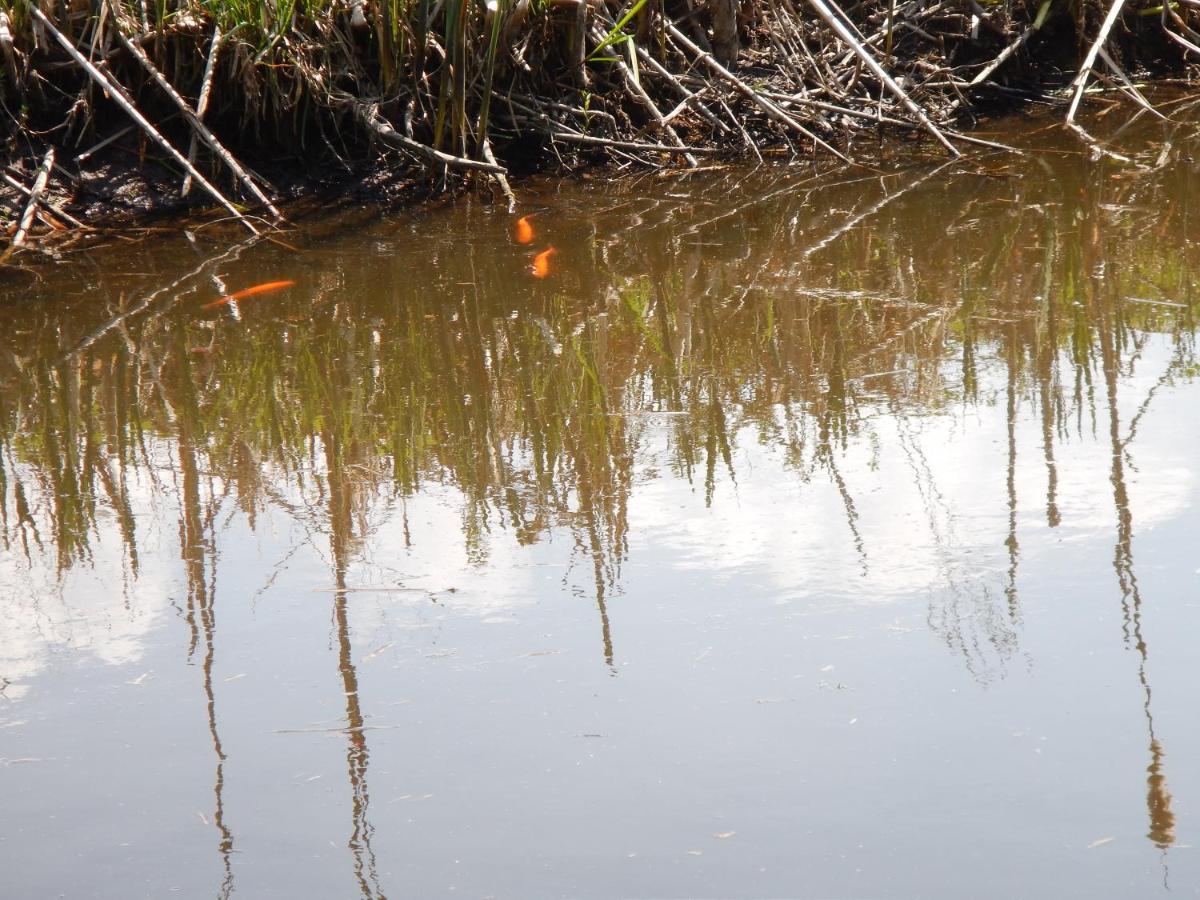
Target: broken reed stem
{"type": "Point", "coordinates": [42, 201]}
{"type": "Point", "coordinates": [485, 147]}
{"type": "Point", "coordinates": [368, 116]}
{"type": "Point", "coordinates": [1003, 55]}
{"type": "Point", "coordinates": [1085, 70]}
{"type": "Point", "coordinates": [198, 127]}
{"type": "Point", "coordinates": [210, 67]}
{"type": "Point", "coordinates": [570, 137]}
{"type": "Point", "coordinates": [825, 11]}
{"type": "Point", "coordinates": [8, 51]}
{"type": "Point", "coordinates": [690, 99]}
{"type": "Point", "coordinates": [772, 111]}
{"type": "Point", "coordinates": [113, 90]}
{"type": "Point", "coordinates": [35, 193]}
{"type": "Point", "coordinates": [635, 89]}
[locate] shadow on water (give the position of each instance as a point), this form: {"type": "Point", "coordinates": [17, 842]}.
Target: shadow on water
{"type": "Point", "coordinates": [821, 316]}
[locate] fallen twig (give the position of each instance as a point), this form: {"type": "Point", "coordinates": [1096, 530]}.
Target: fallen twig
{"type": "Point", "coordinates": [825, 11]}
{"type": "Point", "coordinates": [113, 90]}
{"type": "Point", "coordinates": [368, 115]}
{"type": "Point", "coordinates": [772, 111]}
{"type": "Point", "coordinates": [198, 127]}
{"type": "Point", "coordinates": [210, 67]}
{"type": "Point", "coordinates": [54, 209]}
{"type": "Point", "coordinates": [35, 193]}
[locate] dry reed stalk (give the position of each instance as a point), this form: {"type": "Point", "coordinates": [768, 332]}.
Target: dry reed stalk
{"type": "Point", "coordinates": [772, 111]}
{"type": "Point", "coordinates": [35, 193]}
{"type": "Point", "coordinates": [9, 52]}
{"type": "Point", "coordinates": [826, 12]}
{"type": "Point", "coordinates": [634, 87]}
{"type": "Point", "coordinates": [198, 127]}
{"type": "Point", "coordinates": [368, 115]}
{"type": "Point", "coordinates": [112, 88]}
{"type": "Point", "coordinates": [210, 67]}
{"type": "Point", "coordinates": [42, 201]}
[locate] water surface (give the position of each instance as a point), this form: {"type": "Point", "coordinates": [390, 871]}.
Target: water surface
{"type": "Point", "coordinates": [804, 532]}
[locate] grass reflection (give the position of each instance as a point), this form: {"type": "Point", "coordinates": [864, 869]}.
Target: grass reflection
{"type": "Point", "coordinates": [802, 317]}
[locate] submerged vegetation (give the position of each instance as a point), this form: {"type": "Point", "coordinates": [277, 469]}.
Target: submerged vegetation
{"type": "Point", "coordinates": [477, 89]}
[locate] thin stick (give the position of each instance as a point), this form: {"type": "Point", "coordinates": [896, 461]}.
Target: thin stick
{"type": "Point", "coordinates": [1085, 70]}
{"type": "Point", "coordinates": [118, 97]}
{"type": "Point", "coordinates": [42, 201]}
{"type": "Point", "coordinates": [639, 93]}
{"type": "Point", "coordinates": [1003, 55]}
{"type": "Point", "coordinates": [501, 179]}
{"type": "Point", "coordinates": [198, 127]}
{"type": "Point", "coordinates": [689, 98]}
{"type": "Point", "coordinates": [1129, 86]}
{"type": "Point", "coordinates": [39, 185]}
{"type": "Point", "coordinates": [10, 54]}
{"type": "Point", "coordinates": [210, 67]}
{"type": "Point", "coordinates": [115, 136]}
{"type": "Point", "coordinates": [749, 93]}
{"type": "Point", "coordinates": [368, 115]}
{"type": "Point", "coordinates": [570, 137]}
{"type": "Point", "coordinates": [825, 12]}
{"type": "Point", "coordinates": [888, 120]}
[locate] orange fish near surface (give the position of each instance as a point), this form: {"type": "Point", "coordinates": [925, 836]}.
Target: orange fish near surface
{"type": "Point", "coordinates": [541, 262]}
{"type": "Point", "coordinates": [264, 288]}
{"type": "Point", "coordinates": [524, 230]}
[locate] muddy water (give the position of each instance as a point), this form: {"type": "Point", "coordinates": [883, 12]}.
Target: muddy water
{"type": "Point", "coordinates": [800, 533]}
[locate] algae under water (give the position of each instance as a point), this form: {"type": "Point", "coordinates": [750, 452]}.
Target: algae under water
{"type": "Point", "coordinates": [799, 533]}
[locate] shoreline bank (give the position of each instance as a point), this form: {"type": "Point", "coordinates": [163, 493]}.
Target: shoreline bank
{"type": "Point", "coordinates": [116, 117]}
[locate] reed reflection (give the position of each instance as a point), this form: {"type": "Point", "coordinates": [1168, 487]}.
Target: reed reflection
{"type": "Point", "coordinates": [820, 317]}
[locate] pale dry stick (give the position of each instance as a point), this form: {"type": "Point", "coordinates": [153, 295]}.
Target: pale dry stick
{"type": "Point", "coordinates": [1130, 87]}
{"type": "Point", "coordinates": [826, 13]}
{"type": "Point", "coordinates": [368, 116]}
{"type": "Point", "coordinates": [39, 185]}
{"type": "Point", "coordinates": [54, 208]}
{"type": "Point", "coordinates": [198, 127]}
{"type": "Point", "coordinates": [115, 136]}
{"type": "Point", "coordinates": [1085, 70]}
{"type": "Point", "coordinates": [746, 139]}
{"type": "Point", "coordinates": [882, 33]}
{"type": "Point", "coordinates": [112, 90]}
{"type": "Point", "coordinates": [772, 111]}
{"type": "Point", "coordinates": [639, 93]}
{"type": "Point", "coordinates": [210, 67]}
{"type": "Point", "coordinates": [887, 120]}
{"type": "Point", "coordinates": [569, 137]}
{"type": "Point", "coordinates": [1168, 12]}
{"type": "Point", "coordinates": [689, 97]}
{"type": "Point", "coordinates": [527, 103]}
{"type": "Point", "coordinates": [986, 72]}
{"type": "Point", "coordinates": [1182, 41]}
{"type": "Point", "coordinates": [8, 51]}
{"type": "Point", "coordinates": [485, 146]}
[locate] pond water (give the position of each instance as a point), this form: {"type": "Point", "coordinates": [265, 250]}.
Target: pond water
{"type": "Point", "coordinates": [799, 532]}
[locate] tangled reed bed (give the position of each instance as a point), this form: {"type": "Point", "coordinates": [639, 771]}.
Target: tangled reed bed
{"type": "Point", "coordinates": [468, 89]}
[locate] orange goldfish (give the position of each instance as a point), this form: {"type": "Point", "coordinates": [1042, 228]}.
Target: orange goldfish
{"type": "Point", "coordinates": [541, 262]}
{"type": "Point", "coordinates": [524, 230]}
{"type": "Point", "coordinates": [264, 288]}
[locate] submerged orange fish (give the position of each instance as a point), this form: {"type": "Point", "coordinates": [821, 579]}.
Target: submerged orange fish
{"type": "Point", "coordinates": [264, 288]}
{"type": "Point", "coordinates": [524, 230]}
{"type": "Point", "coordinates": [541, 263]}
